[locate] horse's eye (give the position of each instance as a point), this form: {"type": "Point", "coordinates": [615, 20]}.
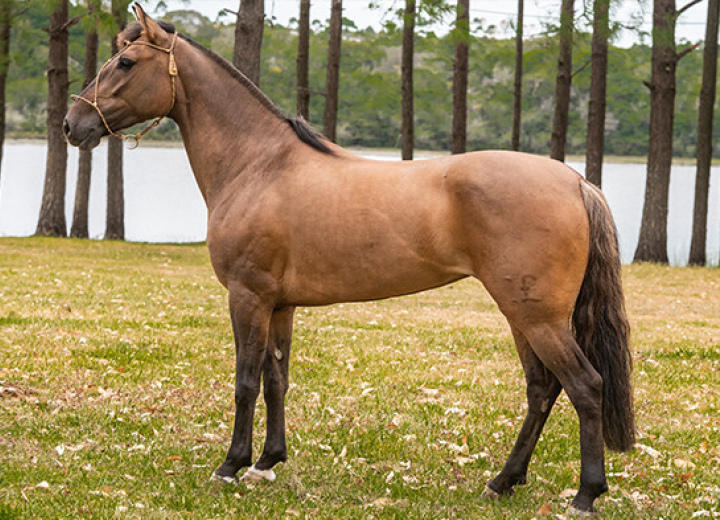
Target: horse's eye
{"type": "Point", "coordinates": [125, 63]}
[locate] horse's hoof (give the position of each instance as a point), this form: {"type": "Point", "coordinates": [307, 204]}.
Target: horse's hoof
{"type": "Point", "coordinates": [489, 493]}
{"type": "Point", "coordinates": [254, 475]}
{"type": "Point", "coordinates": [223, 479]}
{"type": "Point", "coordinates": [579, 513]}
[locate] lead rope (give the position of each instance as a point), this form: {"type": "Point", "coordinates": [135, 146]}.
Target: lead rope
{"type": "Point", "coordinates": [172, 70]}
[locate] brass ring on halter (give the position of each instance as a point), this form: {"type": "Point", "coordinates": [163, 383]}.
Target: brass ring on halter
{"type": "Point", "coordinates": [133, 140]}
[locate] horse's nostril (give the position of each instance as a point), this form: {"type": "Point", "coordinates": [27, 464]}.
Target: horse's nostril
{"type": "Point", "coordinates": [66, 127]}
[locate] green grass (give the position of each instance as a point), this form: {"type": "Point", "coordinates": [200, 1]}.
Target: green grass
{"type": "Point", "coordinates": [116, 368]}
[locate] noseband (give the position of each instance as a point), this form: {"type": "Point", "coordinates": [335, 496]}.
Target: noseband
{"type": "Point", "coordinates": [172, 70]}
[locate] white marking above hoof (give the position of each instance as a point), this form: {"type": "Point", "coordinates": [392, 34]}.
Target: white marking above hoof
{"type": "Point", "coordinates": [575, 512]}
{"type": "Point", "coordinates": [223, 479]}
{"type": "Point", "coordinates": [254, 475]}
{"type": "Point", "coordinates": [489, 493]}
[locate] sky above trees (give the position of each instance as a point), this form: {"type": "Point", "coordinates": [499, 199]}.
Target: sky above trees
{"type": "Point", "coordinates": [500, 14]}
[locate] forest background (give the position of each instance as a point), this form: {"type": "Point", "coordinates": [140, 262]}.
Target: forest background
{"type": "Point", "coordinates": [369, 112]}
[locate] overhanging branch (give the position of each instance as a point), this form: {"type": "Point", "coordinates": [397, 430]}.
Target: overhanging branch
{"type": "Point", "coordinates": [686, 7]}
{"type": "Point", "coordinates": [579, 70]}
{"type": "Point", "coordinates": [72, 21]}
{"type": "Point", "coordinates": [680, 55]}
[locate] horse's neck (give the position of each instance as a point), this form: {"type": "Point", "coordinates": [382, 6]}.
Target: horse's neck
{"type": "Point", "coordinates": [228, 133]}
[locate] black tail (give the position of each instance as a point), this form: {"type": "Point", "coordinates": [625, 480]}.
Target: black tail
{"type": "Point", "coordinates": [600, 325]}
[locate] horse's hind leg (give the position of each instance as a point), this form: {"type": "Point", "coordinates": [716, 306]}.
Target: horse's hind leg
{"type": "Point", "coordinates": [542, 390]}
{"type": "Point", "coordinates": [556, 348]}
{"type": "Point", "coordinates": [275, 386]}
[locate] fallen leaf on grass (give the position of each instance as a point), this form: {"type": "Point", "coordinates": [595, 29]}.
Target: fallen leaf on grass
{"type": "Point", "coordinates": [9, 391]}
{"type": "Point", "coordinates": [545, 510]}
{"type": "Point", "coordinates": [41, 485]}
{"type": "Point", "coordinates": [382, 502]}
{"type": "Point", "coordinates": [568, 493]}
{"type": "Point", "coordinates": [648, 450]}
{"type": "Point", "coordinates": [682, 463]}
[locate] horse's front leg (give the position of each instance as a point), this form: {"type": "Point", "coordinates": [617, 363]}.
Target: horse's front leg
{"type": "Point", "coordinates": [250, 315]}
{"type": "Point", "coordinates": [275, 386]}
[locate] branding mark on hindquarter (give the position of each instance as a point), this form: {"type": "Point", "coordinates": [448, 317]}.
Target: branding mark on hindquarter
{"type": "Point", "coordinates": [527, 286]}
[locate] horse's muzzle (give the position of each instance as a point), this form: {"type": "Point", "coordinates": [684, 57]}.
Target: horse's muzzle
{"type": "Point", "coordinates": [82, 136]}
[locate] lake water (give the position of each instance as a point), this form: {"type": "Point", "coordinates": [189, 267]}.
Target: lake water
{"type": "Point", "coordinates": [163, 203]}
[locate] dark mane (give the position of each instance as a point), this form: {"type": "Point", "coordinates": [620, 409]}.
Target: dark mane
{"type": "Point", "coordinates": [306, 133]}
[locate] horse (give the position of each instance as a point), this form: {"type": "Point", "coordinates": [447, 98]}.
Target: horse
{"type": "Point", "coordinates": [295, 220]}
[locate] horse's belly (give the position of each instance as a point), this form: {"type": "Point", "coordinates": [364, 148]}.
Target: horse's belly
{"type": "Point", "coordinates": [370, 273]}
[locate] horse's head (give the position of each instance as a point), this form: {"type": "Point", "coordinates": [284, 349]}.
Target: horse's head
{"type": "Point", "coordinates": [135, 85]}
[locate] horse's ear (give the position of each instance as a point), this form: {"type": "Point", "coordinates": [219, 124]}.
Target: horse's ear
{"type": "Point", "coordinates": [150, 27]}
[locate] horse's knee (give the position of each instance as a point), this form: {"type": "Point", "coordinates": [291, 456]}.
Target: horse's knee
{"type": "Point", "coordinates": [246, 393]}
{"type": "Point", "coordinates": [541, 397]}
{"type": "Point", "coordinates": [586, 394]}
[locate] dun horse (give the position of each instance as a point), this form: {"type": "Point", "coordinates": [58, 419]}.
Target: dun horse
{"type": "Point", "coordinates": [294, 220]}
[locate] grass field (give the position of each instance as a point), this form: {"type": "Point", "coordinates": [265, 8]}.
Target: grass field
{"type": "Point", "coordinates": [116, 384]}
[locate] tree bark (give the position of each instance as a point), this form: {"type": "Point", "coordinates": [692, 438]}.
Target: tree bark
{"type": "Point", "coordinates": [517, 101]}
{"type": "Point", "coordinates": [248, 38]}
{"type": "Point", "coordinates": [408, 56]}
{"type": "Point", "coordinates": [303, 61]}
{"type": "Point", "coordinates": [563, 82]}
{"type": "Point", "coordinates": [598, 93]}
{"type": "Point", "coordinates": [704, 146]}
{"type": "Point", "coordinates": [652, 245]}
{"type": "Point", "coordinates": [5, 25]}
{"type": "Point", "coordinates": [79, 227]}
{"type": "Point", "coordinates": [460, 78]}
{"type": "Point", "coordinates": [51, 221]}
{"type": "Point", "coordinates": [115, 215]}
{"type": "Point", "coordinates": [332, 78]}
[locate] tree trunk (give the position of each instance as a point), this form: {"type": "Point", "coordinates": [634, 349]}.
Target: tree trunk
{"type": "Point", "coordinates": [408, 57]}
{"type": "Point", "coordinates": [5, 24]}
{"type": "Point", "coordinates": [704, 146]}
{"type": "Point", "coordinates": [517, 104]}
{"type": "Point", "coordinates": [332, 78]}
{"type": "Point", "coordinates": [563, 82]}
{"type": "Point", "coordinates": [115, 215]}
{"type": "Point", "coordinates": [303, 60]}
{"type": "Point", "coordinates": [652, 245]}
{"type": "Point", "coordinates": [460, 78]}
{"type": "Point", "coordinates": [51, 221]}
{"type": "Point", "coordinates": [248, 38]}
{"type": "Point", "coordinates": [79, 227]}
{"type": "Point", "coordinates": [598, 88]}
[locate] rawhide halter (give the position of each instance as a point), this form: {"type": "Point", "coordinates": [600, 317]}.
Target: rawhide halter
{"type": "Point", "coordinates": [172, 70]}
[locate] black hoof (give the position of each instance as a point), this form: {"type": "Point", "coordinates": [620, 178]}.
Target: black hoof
{"type": "Point", "coordinates": [490, 493]}
{"type": "Point", "coordinates": [224, 479]}
{"type": "Point", "coordinates": [575, 512]}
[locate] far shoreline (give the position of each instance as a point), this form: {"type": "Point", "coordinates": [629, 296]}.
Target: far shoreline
{"type": "Point", "coordinates": [395, 152]}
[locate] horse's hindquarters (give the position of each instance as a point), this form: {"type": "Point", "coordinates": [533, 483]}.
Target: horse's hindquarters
{"type": "Point", "coordinates": [524, 219]}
